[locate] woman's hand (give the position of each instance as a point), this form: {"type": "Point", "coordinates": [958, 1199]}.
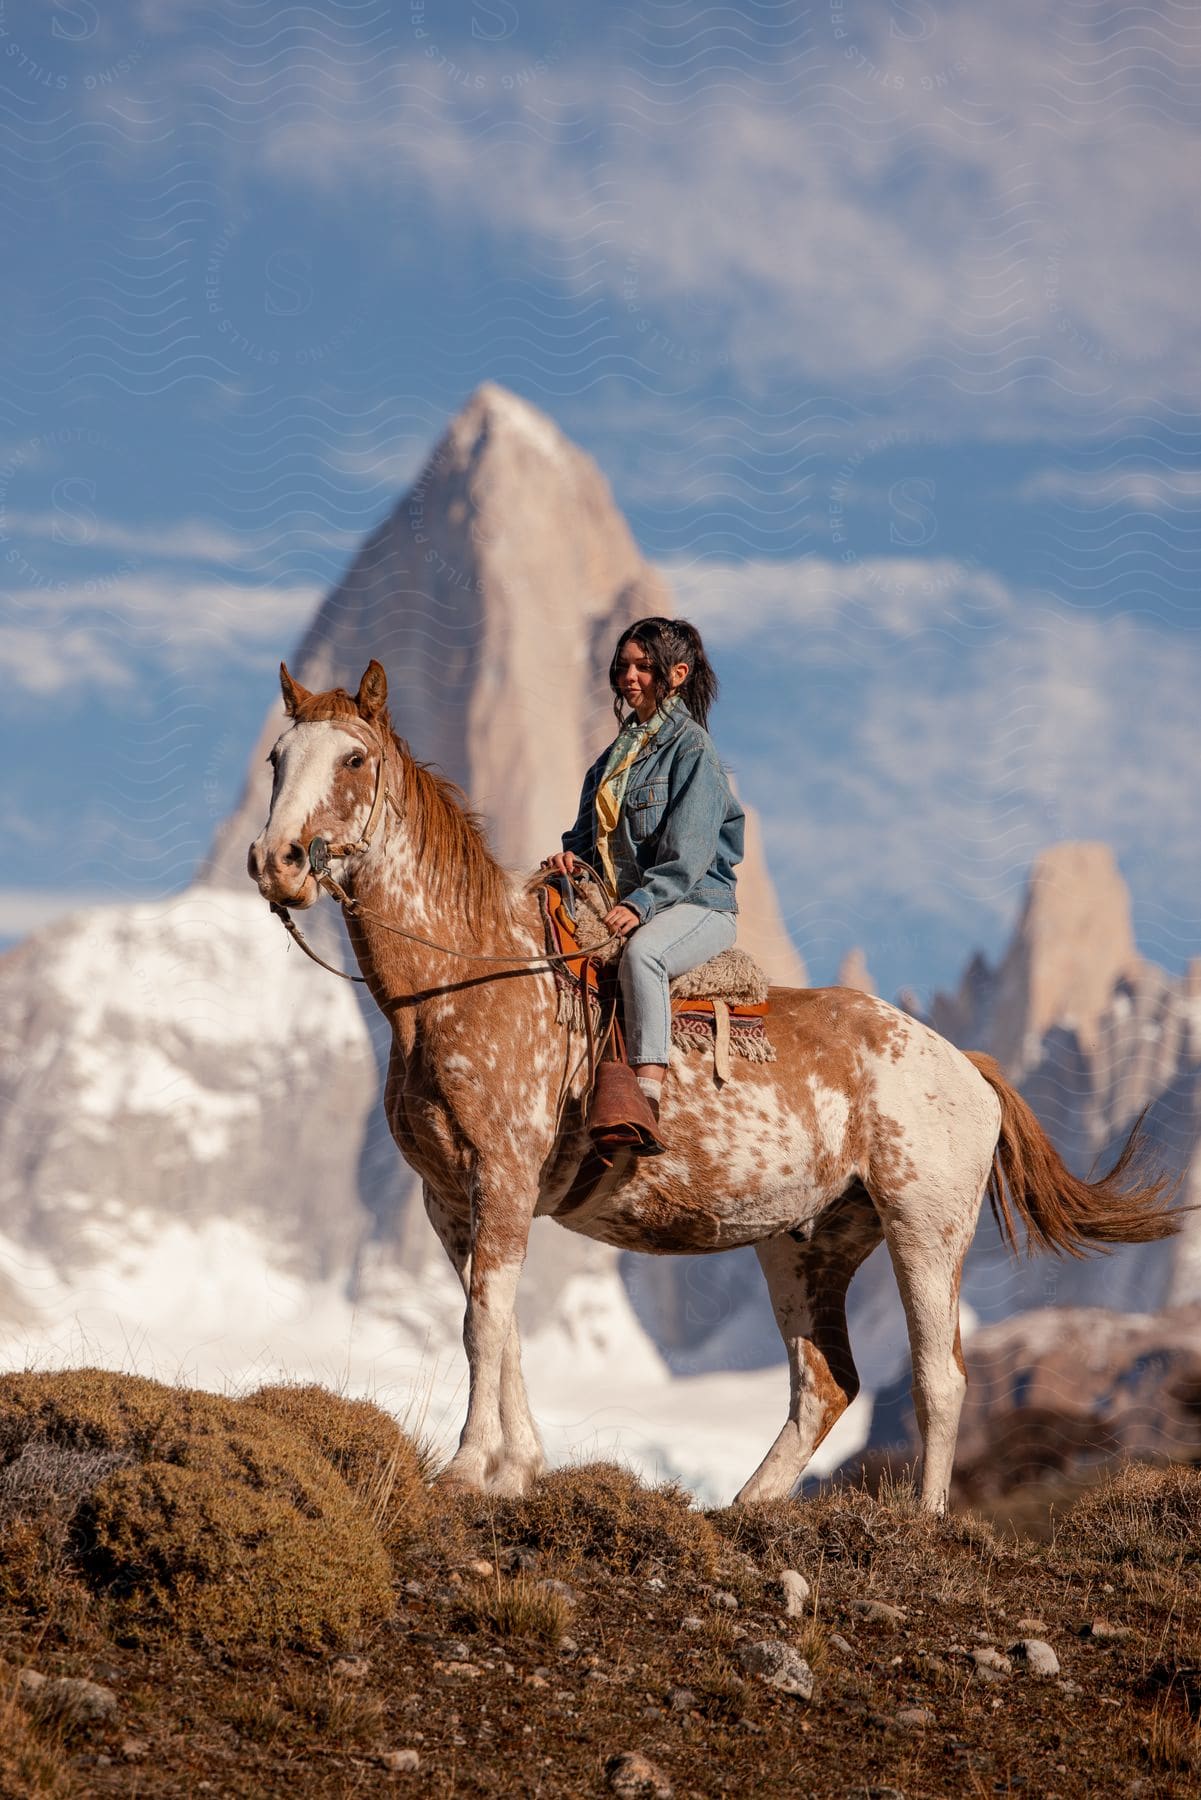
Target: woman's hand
{"type": "Point", "coordinates": [562, 862]}
{"type": "Point", "coordinates": [621, 921]}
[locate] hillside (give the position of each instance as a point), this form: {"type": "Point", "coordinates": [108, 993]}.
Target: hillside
{"type": "Point", "coordinates": [173, 1622]}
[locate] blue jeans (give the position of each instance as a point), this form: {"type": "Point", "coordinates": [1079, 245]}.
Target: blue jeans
{"type": "Point", "coordinates": [678, 938]}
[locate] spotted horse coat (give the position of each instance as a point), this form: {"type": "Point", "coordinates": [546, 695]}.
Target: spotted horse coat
{"type": "Point", "coordinates": [867, 1127]}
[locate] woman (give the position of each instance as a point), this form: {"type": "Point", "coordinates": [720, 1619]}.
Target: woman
{"type": "Point", "coordinates": [658, 819]}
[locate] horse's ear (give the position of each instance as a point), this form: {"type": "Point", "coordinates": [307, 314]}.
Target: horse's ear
{"type": "Point", "coordinates": [372, 696]}
{"type": "Point", "coordinates": [294, 695]}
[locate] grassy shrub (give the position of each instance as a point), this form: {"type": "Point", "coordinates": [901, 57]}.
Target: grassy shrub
{"type": "Point", "coordinates": [197, 1513]}
{"type": "Point", "coordinates": [383, 1468]}
{"type": "Point", "coordinates": [603, 1512]}
{"type": "Point", "coordinates": [31, 1764]}
{"type": "Point", "coordinates": [1145, 1515]}
{"type": "Point", "coordinates": [516, 1608]}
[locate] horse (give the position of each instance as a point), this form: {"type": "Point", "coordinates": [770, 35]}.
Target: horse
{"type": "Point", "coordinates": [867, 1127]}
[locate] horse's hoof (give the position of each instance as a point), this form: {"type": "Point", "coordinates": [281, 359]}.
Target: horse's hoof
{"type": "Point", "coordinates": [458, 1481]}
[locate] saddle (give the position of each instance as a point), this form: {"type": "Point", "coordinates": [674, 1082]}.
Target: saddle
{"type": "Point", "coordinates": [720, 1006]}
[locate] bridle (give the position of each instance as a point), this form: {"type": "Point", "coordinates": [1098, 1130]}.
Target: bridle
{"type": "Point", "coordinates": [321, 854]}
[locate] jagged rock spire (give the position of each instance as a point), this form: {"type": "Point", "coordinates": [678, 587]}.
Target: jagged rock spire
{"type": "Point", "coordinates": [493, 595]}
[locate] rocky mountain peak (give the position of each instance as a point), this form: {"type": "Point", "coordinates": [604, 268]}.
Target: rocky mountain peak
{"type": "Point", "coordinates": [853, 971]}
{"type": "Point", "coordinates": [493, 595]}
{"type": "Point", "coordinates": [1073, 943]}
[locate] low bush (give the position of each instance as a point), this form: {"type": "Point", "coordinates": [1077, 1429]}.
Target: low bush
{"type": "Point", "coordinates": [186, 1511]}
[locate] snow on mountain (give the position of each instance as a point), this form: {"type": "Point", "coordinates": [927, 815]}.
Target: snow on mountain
{"type": "Point", "coordinates": [195, 1168]}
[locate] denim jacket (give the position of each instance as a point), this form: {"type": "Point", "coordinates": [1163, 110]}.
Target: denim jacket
{"type": "Point", "coordinates": [680, 832]}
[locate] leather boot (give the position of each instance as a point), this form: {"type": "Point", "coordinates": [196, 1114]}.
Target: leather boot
{"type": "Point", "coordinates": [621, 1116]}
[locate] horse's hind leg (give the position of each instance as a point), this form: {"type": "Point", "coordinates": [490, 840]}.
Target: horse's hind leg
{"type": "Point", "coordinates": [928, 1236]}
{"type": "Point", "coordinates": [808, 1281]}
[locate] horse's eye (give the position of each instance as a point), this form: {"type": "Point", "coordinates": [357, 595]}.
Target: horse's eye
{"type": "Point", "coordinates": [355, 760]}
{"type": "Point", "coordinates": [273, 759]}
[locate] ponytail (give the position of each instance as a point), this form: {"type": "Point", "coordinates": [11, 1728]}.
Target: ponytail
{"type": "Point", "coordinates": [666, 643]}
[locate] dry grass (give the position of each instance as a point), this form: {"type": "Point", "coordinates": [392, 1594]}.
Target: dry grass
{"type": "Point", "coordinates": [386, 1471]}
{"type": "Point", "coordinates": [1145, 1516]}
{"type": "Point", "coordinates": [255, 1714]}
{"type": "Point", "coordinates": [847, 1527]}
{"type": "Point", "coordinates": [187, 1512]}
{"type": "Point", "coordinates": [1174, 1742]}
{"type": "Point", "coordinates": [339, 1712]}
{"type": "Point", "coordinates": [646, 1624]}
{"type": "Point", "coordinates": [34, 1760]}
{"type": "Point", "coordinates": [514, 1608]}
{"type": "Point", "coordinates": [603, 1512]}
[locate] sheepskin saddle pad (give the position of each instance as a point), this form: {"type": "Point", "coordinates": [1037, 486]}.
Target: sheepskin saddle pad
{"type": "Point", "coordinates": [720, 1005]}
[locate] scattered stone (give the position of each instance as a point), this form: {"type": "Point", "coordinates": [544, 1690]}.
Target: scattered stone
{"type": "Point", "coordinates": [567, 1646]}
{"type": "Point", "coordinates": [993, 1661]}
{"type": "Point", "coordinates": [350, 1668]}
{"type": "Point", "coordinates": [779, 1665]}
{"type": "Point", "coordinates": [30, 1682]}
{"type": "Point", "coordinates": [1031, 1627]}
{"type": "Point", "coordinates": [134, 1749]}
{"type": "Point", "coordinates": [1069, 1687]}
{"type": "Point", "coordinates": [516, 1560]}
{"type": "Point", "coordinates": [403, 1762]}
{"type": "Point", "coordinates": [480, 1567]}
{"type": "Point", "coordinates": [692, 1623]}
{"type": "Point", "coordinates": [1038, 1657]}
{"type": "Point", "coordinates": [839, 1642]}
{"type": "Point", "coordinates": [877, 1612]}
{"type": "Point", "coordinates": [915, 1718]}
{"type": "Point", "coordinates": [681, 1699]}
{"type": "Point", "coordinates": [656, 1584]}
{"type": "Point", "coordinates": [1104, 1631]}
{"type": "Point", "coordinates": [552, 1585]}
{"type": "Point", "coordinates": [631, 1773]}
{"type": "Point", "coordinates": [796, 1592]}
{"type": "Point", "coordinates": [456, 1651]}
{"type": "Point", "coordinates": [536, 1681]}
{"type": "Point", "coordinates": [723, 1600]}
{"type": "Point", "coordinates": [70, 1699]}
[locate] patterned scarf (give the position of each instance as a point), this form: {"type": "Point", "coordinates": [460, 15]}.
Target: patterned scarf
{"type": "Point", "coordinates": [610, 795]}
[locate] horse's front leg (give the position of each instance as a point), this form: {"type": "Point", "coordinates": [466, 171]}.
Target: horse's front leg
{"type": "Point", "coordinates": [499, 1448]}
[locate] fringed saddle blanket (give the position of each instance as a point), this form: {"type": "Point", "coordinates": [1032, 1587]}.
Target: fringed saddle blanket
{"type": "Point", "coordinates": [721, 1006]}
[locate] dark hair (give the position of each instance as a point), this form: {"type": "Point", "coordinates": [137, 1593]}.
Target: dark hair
{"type": "Point", "coordinates": [668, 642]}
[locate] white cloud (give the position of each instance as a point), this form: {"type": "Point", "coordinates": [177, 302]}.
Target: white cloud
{"type": "Point", "coordinates": [1158, 490]}
{"type": "Point", "coordinates": [177, 540]}
{"type": "Point", "coordinates": [911, 743]}
{"type": "Point", "coordinates": [182, 540]}
{"type": "Point", "coordinates": [104, 634]}
{"type": "Point", "coordinates": [1015, 233]}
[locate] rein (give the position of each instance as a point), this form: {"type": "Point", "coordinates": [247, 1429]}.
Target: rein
{"type": "Point", "coordinates": [321, 855]}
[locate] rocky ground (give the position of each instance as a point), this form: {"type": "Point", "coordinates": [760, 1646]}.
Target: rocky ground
{"type": "Point", "coordinates": [265, 1597]}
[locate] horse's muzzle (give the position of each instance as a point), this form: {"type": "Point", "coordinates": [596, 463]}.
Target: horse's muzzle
{"type": "Point", "coordinates": [283, 874]}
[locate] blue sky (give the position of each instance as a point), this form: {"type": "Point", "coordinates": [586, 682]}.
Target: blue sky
{"type": "Point", "coordinates": [880, 318]}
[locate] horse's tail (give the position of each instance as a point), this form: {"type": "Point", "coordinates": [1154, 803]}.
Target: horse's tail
{"type": "Point", "coordinates": [1059, 1210]}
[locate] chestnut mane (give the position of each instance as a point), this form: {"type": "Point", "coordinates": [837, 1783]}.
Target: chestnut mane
{"type": "Point", "coordinates": [457, 864]}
